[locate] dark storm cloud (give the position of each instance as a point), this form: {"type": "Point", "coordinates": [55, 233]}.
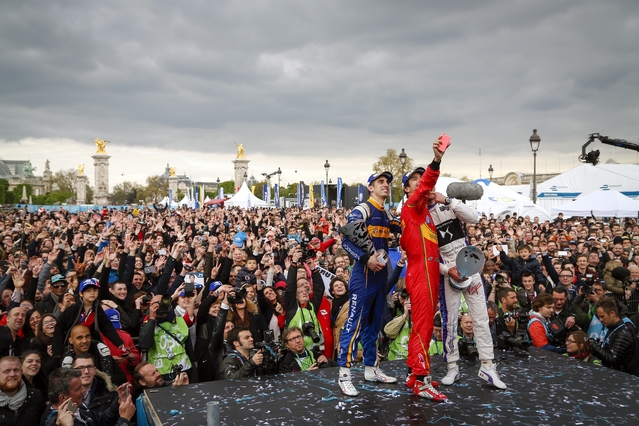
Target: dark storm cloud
{"type": "Point", "coordinates": [151, 73]}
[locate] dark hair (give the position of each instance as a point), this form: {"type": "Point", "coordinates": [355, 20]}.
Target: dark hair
{"type": "Point", "coordinates": [234, 335]}
{"type": "Point", "coordinates": [560, 290]}
{"type": "Point", "coordinates": [60, 383]}
{"type": "Point", "coordinates": [541, 301]}
{"type": "Point", "coordinates": [137, 376]}
{"type": "Point", "coordinates": [492, 306]}
{"type": "Point", "coordinates": [527, 274]}
{"type": "Point", "coordinates": [503, 293]}
{"type": "Point", "coordinates": [28, 352]}
{"type": "Point", "coordinates": [85, 355]}
{"type": "Point", "coordinates": [41, 338]}
{"type": "Point", "coordinates": [524, 247]}
{"type": "Point", "coordinates": [608, 305]}
{"type": "Point", "coordinates": [333, 281]}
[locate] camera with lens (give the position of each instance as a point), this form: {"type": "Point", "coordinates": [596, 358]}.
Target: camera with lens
{"type": "Point", "coordinates": [308, 329]}
{"type": "Point", "coordinates": [271, 349]}
{"type": "Point", "coordinates": [518, 341]}
{"type": "Point", "coordinates": [176, 370]}
{"type": "Point", "coordinates": [499, 279]}
{"type": "Point", "coordinates": [165, 305]}
{"type": "Point", "coordinates": [587, 289]}
{"type": "Point", "coordinates": [147, 298]}
{"type": "Point", "coordinates": [240, 295]}
{"type": "Point", "coordinates": [467, 347]}
{"type": "Point", "coordinates": [307, 253]}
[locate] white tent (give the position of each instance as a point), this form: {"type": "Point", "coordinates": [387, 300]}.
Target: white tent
{"type": "Point", "coordinates": [602, 204]}
{"type": "Point", "coordinates": [185, 201]}
{"type": "Point", "coordinates": [587, 178]}
{"type": "Point", "coordinates": [244, 198]}
{"type": "Point", "coordinates": [165, 200]}
{"type": "Point", "coordinates": [501, 201]}
{"type": "Point", "coordinates": [441, 186]}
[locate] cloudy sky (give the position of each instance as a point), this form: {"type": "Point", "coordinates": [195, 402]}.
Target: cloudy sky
{"type": "Point", "coordinates": [300, 82]}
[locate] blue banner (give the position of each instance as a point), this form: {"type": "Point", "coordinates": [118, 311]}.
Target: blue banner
{"type": "Point", "coordinates": [339, 192]}
{"type": "Point", "coordinates": [265, 192]}
{"type": "Point", "coordinates": [277, 195]}
{"type": "Point", "coordinates": [170, 197]}
{"type": "Point", "coordinates": [360, 194]}
{"type": "Point", "coordinates": [299, 193]}
{"type": "Point", "coordinates": [197, 197]}
{"type": "Point", "coordinates": [323, 191]}
{"type": "Point", "coordinates": [268, 195]}
{"type": "Point", "coordinates": [220, 192]}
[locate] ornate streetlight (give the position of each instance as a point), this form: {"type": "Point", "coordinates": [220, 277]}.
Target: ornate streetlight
{"type": "Point", "coordinates": [534, 140]}
{"type": "Point", "coordinates": [490, 172]}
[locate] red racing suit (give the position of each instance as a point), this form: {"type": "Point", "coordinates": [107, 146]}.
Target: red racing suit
{"type": "Point", "coordinates": [419, 240]}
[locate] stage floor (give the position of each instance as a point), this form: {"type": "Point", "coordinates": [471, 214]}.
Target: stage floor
{"type": "Point", "coordinates": [545, 389]}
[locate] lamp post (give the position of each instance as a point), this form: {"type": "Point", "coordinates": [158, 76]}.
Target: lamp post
{"type": "Point", "coordinates": [279, 183]}
{"type": "Point", "coordinates": [534, 140]}
{"type": "Point", "coordinates": [490, 172]}
{"type": "Point", "coordinates": [245, 177]}
{"type": "Point", "coordinates": [326, 167]}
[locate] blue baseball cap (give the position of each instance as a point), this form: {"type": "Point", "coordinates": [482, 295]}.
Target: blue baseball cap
{"type": "Point", "coordinates": [215, 285]}
{"type": "Point", "coordinates": [408, 175]}
{"type": "Point", "coordinates": [89, 282]}
{"type": "Point", "coordinates": [387, 175]}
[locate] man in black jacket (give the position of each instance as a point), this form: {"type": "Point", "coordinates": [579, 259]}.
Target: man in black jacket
{"type": "Point", "coordinates": [19, 404]}
{"type": "Point", "coordinates": [617, 349]}
{"type": "Point", "coordinates": [239, 364]}
{"type": "Point", "coordinates": [11, 343]}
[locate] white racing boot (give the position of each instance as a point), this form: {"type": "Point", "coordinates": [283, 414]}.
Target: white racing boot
{"type": "Point", "coordinates": [452, 375]}
{"type": "Point", "coordinates": [488, 372]}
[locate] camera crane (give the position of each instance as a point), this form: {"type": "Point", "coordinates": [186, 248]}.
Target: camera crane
{"type": "Point", "coordinates": [593, 156]}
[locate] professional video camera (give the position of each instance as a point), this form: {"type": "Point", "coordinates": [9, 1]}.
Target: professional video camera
{"type": "Point", "coordinates": [308, 329]}
{"type": "Point", "coordinates": [271, 349]}
{"type": "Point", "coordinates": [517, 342]}
{"type": "Point", "coordinates": [467, 347]}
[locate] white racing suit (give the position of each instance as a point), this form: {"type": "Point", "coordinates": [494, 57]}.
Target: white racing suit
{"type": "Point", "coordinates": [451, 239]}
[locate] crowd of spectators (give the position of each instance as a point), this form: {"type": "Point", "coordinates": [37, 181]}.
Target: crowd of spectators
{"type": "Point", "coordinates": [100, 305]}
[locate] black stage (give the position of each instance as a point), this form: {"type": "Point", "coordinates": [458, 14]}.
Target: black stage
{"type": "Point", "coordinates": [545, 389]}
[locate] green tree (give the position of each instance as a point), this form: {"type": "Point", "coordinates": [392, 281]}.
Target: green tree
{"type": "Point", "coordinates": [392, 163]}
{"type": "Point", "coordinates": [53, 197]}
{"type": "Point", "coordinates": [229, 187]}
{"type": "Point", "coordinates": [65, 180]}
{"type": "Point", "coordinates": [17, 192]}
{"type": "Point", "coordinates": [126, 192]}
{"type": "Point", "coordinates": [155, 189]}
{"type": "Point", "coordinates": [4, 185]}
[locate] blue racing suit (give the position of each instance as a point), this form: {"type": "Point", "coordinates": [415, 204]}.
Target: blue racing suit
{"type": "Point", "coordinates": [366, 232]}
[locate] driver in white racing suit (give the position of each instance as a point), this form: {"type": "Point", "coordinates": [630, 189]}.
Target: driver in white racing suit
{"type": "Point", "coordinates": [448, 215]}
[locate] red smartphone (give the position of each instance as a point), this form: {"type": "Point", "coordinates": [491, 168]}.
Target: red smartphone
{"type": "Point", "coordinates": [445, 142]}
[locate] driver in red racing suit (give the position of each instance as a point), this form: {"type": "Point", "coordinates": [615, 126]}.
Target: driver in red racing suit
{"type": "Point", "coordinates": [419, 240]}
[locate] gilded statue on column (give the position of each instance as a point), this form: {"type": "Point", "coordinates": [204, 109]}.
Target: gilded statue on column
{"type": "Point", "coordinates": [101, 144]}
{"type": "Point", "coordinates": [172, 171]}
{"type": "Point", "coordinates": [240, 150]}
{"type": "Point", "coordinates": [80, 170]}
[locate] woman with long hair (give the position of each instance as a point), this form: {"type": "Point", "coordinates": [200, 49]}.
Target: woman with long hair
{"type": "Point", "coordinates": [272, 309]}
{"type": "Point", "coordinates": [32, 371]}
{"type": "Point", "coordinates": [578, 347]}
{"type": "Point", "coordinates": [246, 314]}
{"type": "Point", "coordinates": [43, 342]}
{"type": "Point", "coordinates": [339, 308]}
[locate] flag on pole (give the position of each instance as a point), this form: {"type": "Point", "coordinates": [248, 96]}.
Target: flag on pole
{"type": "Point", "coordinates": [277, 195]}
{"type": "Point", "coordinates": [339, 192]}
{"type": "Point", "coordinates": [323, 194]}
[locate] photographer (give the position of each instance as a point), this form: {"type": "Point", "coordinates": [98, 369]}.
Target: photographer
{"type": "Point", "coordinates": [506, 321]}
{"type": "Point", "coordinates": [538, 326]}
{"type": "Point", "coordinates": [617, 350]}
{"type": "Point", "coordinates": [165, 337]}
{"type": "Point", "coordinates": [568, 313]}
{"type": "Point", "coordinates": [242, 361]}
{"type": "Point", "coordinates": [301, 311]}
{"type": "Point", "coordinates": [298, 358]}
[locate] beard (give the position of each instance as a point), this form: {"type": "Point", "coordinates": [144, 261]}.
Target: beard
{"type": "Point", "coordinates": [10, 385]}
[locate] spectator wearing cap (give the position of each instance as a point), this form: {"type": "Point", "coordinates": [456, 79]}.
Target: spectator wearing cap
{"type": "Point", "coordinates": [58, 299]}
{"type": "Point", "coordinates": [126, 360]}
{"type": "Point", "coordinates": [319, 245]}
{"type": "Point", "coordinates": [88, 312]}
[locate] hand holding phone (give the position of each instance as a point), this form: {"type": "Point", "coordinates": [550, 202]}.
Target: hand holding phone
{"type": "Point", "coordinates": [444, 142]}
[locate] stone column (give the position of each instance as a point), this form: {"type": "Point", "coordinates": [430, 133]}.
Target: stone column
{"type": "Point", "coordinates": [81, 188]}
{"type": "Point", "coordinates": [101, 194]}
{"type": "Point", "coordinates": [241, 167]}
{"type": "Point", "coordinates": [173, 181]}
